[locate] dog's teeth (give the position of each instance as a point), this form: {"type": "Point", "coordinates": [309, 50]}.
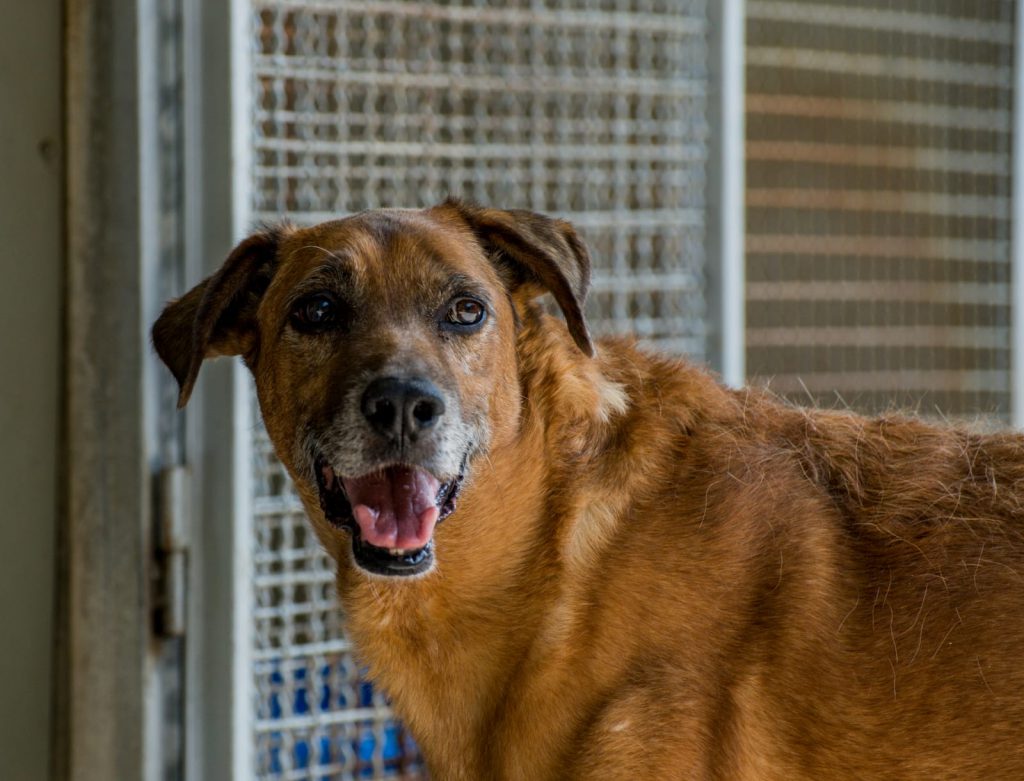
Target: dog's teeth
{"type": "Point", "coordinates": [328, 474]}
{"type": "Point", "coordinates": [397, 551]}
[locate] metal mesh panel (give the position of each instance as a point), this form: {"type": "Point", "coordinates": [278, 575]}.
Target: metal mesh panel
{"type": "Point", "coordinates": [878, 176]}
{"type": "Point", "coordinates": [593, 110]}
{"type": "Point", "coordinates": [316, 716]}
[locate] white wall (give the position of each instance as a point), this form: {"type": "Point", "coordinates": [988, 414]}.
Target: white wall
{"type": "Point", "coordinates": [31, 321]}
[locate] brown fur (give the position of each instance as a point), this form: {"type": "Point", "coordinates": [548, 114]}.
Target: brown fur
{"type": "Point", "coordinates": [648, 576]}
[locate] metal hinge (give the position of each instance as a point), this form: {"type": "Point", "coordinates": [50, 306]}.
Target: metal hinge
{"type": "Point", "coordinates": [172, 552]}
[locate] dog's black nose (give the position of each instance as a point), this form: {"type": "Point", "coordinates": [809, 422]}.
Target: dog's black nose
{"type": "Point", "coordinates": [402, 408]}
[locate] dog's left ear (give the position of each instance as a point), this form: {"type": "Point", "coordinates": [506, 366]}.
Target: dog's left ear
{"type": "Point", "coordinates": [545, 254]}
{"type": "Point", "coordinates": [218, 316]}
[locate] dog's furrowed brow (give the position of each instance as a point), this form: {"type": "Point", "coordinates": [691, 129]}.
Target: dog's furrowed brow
{"type": "Point", "coordinates": [463, 283]}
{"type": "Point", "coordinates": [334, 276]}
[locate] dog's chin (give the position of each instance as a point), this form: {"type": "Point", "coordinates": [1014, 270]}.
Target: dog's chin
{"type": "Point", "coordinates": [386, 561]}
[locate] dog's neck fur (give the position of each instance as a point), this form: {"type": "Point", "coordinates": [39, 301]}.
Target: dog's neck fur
{"type": "Point", "coordinates": [432, 643]}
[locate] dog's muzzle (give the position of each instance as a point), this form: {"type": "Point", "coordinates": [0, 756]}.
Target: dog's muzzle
{"type": "Point", "coordinates": [392, 502]}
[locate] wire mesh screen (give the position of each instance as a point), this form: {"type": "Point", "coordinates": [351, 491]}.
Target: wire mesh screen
{"type": "Point", "coordinates": [592, 110]}
{"type": "Point", "coordinates": [316, 715]}
{"type": "Point", "coordinates": [878, 200]}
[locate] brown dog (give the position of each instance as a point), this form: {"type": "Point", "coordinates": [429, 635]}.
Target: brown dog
{"type": "Point", "coordinates": [639, 574]}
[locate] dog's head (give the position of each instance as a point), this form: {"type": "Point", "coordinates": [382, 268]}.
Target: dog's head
{"type": "Point", "coordinates": [384, 352]}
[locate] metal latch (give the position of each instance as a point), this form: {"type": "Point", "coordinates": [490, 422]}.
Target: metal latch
{"type": "Point", "coordinates": [172, 551]}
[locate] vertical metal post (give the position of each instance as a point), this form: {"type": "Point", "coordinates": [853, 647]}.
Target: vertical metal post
{"type": "Point", "coordinates": [726, 213]}
{"type": "Point", "coordinates": [733, 215]}
{"type": "Point", "coordinates": [219, 704]}
{"type": "Point", "coordinates": [1017, 227]}
{"type": "Point", "coordinates": [241, 212]}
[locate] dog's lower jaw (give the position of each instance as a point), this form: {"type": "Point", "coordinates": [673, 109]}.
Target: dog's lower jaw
{"type": "Point", "coordinates": [391, 563]}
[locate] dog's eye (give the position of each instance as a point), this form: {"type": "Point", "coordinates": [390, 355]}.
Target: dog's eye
{"type": "Point", "coordinates": [465, 311]}
{"type": "Point", "coordinates": [316, 312]}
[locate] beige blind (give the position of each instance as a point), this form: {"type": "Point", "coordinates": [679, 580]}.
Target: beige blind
{"type": "Point", "coordinates": [878, 202]}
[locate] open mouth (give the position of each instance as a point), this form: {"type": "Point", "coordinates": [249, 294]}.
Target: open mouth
{"type": "Point", "coordinates": [391, 514]}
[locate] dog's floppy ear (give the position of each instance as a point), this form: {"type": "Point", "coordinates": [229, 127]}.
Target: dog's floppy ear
{"type": "Point", "coordinates": [537, 251]}
{"type": "Point", "coordinates": [218, 316]}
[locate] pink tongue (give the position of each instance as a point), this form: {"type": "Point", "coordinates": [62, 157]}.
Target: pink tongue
{"type": "Point", "coordinates": [396, 508]}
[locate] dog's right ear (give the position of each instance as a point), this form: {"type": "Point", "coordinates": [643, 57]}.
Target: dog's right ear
{"type": "Point", "coordinates": [539, 253]}
{"type": "Point", "coordinates": [218, 316]}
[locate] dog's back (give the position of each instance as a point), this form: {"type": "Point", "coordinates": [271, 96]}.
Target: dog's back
{"type": "Point", "coordinates": [930, 523]}
{"type": "Point", "coordinates": [851, 591]}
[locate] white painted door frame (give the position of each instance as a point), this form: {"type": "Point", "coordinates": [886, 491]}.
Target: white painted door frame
{"type": "Point", "coordinates": [726, 215]}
